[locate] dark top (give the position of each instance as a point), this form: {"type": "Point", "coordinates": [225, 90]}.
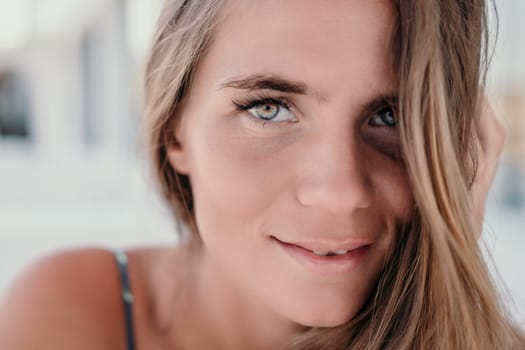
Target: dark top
{"type": "Point", "coordinates": [127, 296]}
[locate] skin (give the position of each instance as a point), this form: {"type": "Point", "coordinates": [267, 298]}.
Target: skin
{"type": "Point", "coordinates": [327, 172]}
{"type": "Point", "coordinates": [326, 176]}
{"type": "Point", "coordinates": [491, 140]}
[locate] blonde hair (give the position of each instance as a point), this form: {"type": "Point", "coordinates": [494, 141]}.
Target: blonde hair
{"type": "Point", "coordinates": [435, 291]}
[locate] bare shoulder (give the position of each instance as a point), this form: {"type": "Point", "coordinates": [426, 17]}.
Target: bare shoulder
{"type": "Point", "coordinates": [68, 300]}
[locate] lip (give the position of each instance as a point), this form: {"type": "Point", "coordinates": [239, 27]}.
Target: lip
{"type": "Point", "coordinates": [302, 253]}
{"type": "Point", "coordinates": [323, 245]}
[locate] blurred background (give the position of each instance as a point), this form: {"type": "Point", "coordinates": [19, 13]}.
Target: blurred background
{"type": "Point", "coordinates": [71, 169]}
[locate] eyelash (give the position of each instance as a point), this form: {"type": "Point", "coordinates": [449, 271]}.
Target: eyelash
{"type": "Point", "coordinates": [382, 107]}
{"type": "Point", "coordinates": [249, 103]}
{"type": "Point", "coordinates": [244, 105]}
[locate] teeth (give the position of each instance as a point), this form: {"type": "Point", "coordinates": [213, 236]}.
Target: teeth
{"type": "Point", "coordinates": [337, 252]}
{"type": "Point", "coordinates": [321, 253]}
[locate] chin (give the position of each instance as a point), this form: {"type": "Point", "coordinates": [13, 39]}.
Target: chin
{"type": "Point", "coordinates": [331, 322]}
{"type": "Point", "coordinates": [328, 319]}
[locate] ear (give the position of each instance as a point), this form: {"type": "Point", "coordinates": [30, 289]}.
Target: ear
{"type": "Point", "coordinates": [176, 148]}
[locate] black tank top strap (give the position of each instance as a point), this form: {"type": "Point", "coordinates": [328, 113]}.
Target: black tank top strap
{"type": "Point", "coordinates": [127, 296]}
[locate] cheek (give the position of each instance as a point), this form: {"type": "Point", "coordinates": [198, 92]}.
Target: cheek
{"type": "Point", "coordinates": [393, 191]}
{"type": "Point", "coordinates": [230, 161]}
{"type": "Point", "coordinates": [233, 181]}
{"type": "Point", "coordinates": [398, 192]}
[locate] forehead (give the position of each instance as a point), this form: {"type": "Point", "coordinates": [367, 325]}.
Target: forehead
{"type": "Point", "coordinates": [328, 44]}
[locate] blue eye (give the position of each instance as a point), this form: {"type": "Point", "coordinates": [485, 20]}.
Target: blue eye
{"type": "Point", "coordinates": [268, 110]}
{"type": "Point", "coordinates": [384, 117]}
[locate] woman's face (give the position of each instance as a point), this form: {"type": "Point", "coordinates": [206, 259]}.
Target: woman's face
{"type": "Point", "coordinates": [291, 147]}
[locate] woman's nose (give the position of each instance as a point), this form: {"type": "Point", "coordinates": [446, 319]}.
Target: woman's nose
{"type": "Point", "coordinates": [335, 176]}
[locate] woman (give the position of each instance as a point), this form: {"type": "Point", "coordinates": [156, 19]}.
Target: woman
{"type": "Point", "coordinates": [330, 161]}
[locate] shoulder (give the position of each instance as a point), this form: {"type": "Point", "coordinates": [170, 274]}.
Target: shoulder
{"type": "Point", "coordinates": [64, 301]}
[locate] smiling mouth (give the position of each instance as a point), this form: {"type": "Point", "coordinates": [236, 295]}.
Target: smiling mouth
{"type": "Point", "coordinates": [323, 252]}
{"type": "Point", "coordinates": [322, 259]}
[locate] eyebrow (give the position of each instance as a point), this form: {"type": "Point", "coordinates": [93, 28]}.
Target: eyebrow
{"type": "Point", "coordinates": [273, 82]}
{"type": "Point", "coordinates": [266, 82]}
{"type": "Point", "coordinates": [378, 101]}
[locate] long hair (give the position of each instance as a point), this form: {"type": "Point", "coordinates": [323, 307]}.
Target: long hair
{"type": "Point", "coordinates": [435, 291]}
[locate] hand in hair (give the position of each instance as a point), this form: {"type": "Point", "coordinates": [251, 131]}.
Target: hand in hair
{"type": "Point", "coordinates": [490, 141]}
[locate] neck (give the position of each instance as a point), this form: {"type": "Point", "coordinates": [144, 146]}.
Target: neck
{"type": "Point", "coordinates": [226, 317]}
